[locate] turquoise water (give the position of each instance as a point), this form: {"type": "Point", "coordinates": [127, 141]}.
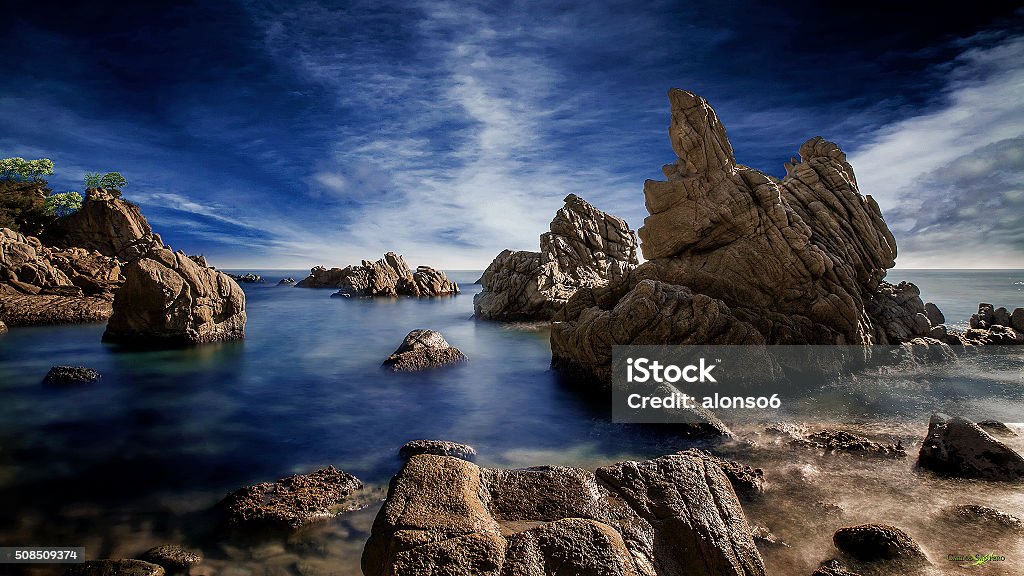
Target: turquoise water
{"type": "Point", "coordinates": [135, 459]}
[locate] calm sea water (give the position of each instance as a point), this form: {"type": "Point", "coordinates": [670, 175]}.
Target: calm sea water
{"type": "Point", "coordinates": [133, 460]}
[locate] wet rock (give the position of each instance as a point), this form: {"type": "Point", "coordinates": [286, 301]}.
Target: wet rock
{"type": "Point", "coordinates": [996, 428]}
{"type": "Point", "coordinates": [985, 518]}
{"type": "Point", "coordinates": [834, 440]}
{"type": "Point", "coordinates": [168, 299]}
{"type": "Point", "coordinates": [247, 278]}
{"type": "Point", "coordinates": [736, 256]}
{"type": "Point", "coordinates": [60, 375]}
{"type": "Point", "coordinates": [290, 502]}
{"type": "Point", "coordinates": [173, 558]}
{"type": "Point", "coordinates": [872, 542]}
{"type": "Point", "coordinates": [585, 247]}
{"type": "Point", "coordinates": [437, 448]}
{"type": "Point", "coordinates": [674, 515]}
{"type": "Point", "coordinates": [935, 316]}
{"type": "Point", "coordinates": [105, 223]}
{"type": "Point", "coordinates": [765, 538]}
{"type": "Point", "coordinates": [833, 568]}
{"type": "Point", "coordinates": [423, 349]}
{"type": "Point", "coordinates": [3, 327]}
{"type": "Point", "coordinates": [389, 276]}
{"type": "Point", "coordinates": [994, 334]}
{"type": "Point", "coordinates": [287, 282]}
{"type": "Point", "coordinates": [115, 568]}
{"type": "Point", "coordinates": [748, 482]}
{"type": "Point", "coordinates": [960, 448]}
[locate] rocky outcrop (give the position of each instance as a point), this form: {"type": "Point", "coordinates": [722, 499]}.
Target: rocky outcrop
{"type": "Point", "coordinates": [987, 519]}
{"type": "Point", "coordinates": [996, 428]}
{"type": "Point", "coordinates": [833, 568]}
{"type": "Point", "coordinates": [834, 441]}
{"type": "Point", "coordinates": [736, 256]}
{"type": "Point", "coordinates": [437, 448]}
{"type": "Point", "coordinates": [873, 542]}
{"type": "Point", "coordinates": [389, 276]}
{"type": "Point", "coordinates": [247, 278]}
{"type": "Point", "coordinates": [960, 448]}
{"type": "Point", "coordinates": [747, 482]}
{"type": "Point", "coordinates": [61, 375]}
{"type": "Point", "coordinates": [994, 326]}
{"type": "Point", "coordinates": [287, 282]}
{"type": "Point", "coordinates": [127, 567]}
{"type": "Point", "coordinates": [105, 223]}
{"type": "Point", "coordinates": [584, 248]}
{"type": "Point", "coordinates": [290, 502]}
{"type": "Point", "coordinates": [423, 349]}
{"type": "Point", "coordinates": [675, 515]}
{"type": "Point", "coordinates": [172, 558]}
{"type": "Point", "coordinates": [27, 310]}
{"type": "Point", "coordinates": [168, 299]}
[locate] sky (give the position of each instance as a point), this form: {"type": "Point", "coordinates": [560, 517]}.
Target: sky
{"type": "Point", "coordinates": [291, 134]}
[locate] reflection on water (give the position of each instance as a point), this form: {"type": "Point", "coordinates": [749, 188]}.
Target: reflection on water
{"type": "Point", "coordinates": [138, 458]}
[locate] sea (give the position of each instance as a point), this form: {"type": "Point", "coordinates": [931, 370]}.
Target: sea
{"type": "Point", "coordinates": [141, 457]}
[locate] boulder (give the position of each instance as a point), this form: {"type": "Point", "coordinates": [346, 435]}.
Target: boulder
{"type": "Point", "coordinates": [873, 542]}
{"type": "Point", "coordinates": [287, 282]}
{"type": "Point", "coordinates": [290, 502]}
{"type": "Point", "coordinates": [437, 448]}
{"type": "Point", "coordinates": [105, 223]}
{"type": "Point", "coordinates": [994, 334]}
{"type": "Point", "coordinates": [674, 515]}
{"type": "Point", "coordinates": [389, 276]}
{"type": "Point", "coordinates": [985, 518]}
{"type": "Point", "coordinates": [585, 247]}
{"type": "Point", "coordinates": [126, 567]}
{"type": "Point", "coordinates": [960, 448]}
{"type": "Point", "coordinates": [172, 558]}
{"type": "Point", "coordinates": [996, 428]}
{"type": "Point", "coordinates": [736, 256]}
{"type": "Point", "coordinates": [423, 349]}
{"type": "Point", "coordinates": [935, 316]}
{"type": "Point", "coordinates": [833, 568]}
{"type": "Point", "coordinates": [3, 327]}
{"type": "Point", "coordinates": [748, 482]}
{"type": "Point", "coordinates": [835, 441]}
{"type": "Point", "coordinates": [1017, 319]}
{"type": "Point", "coordinates": [91, 271]}
{"type": "Point", "coordinates": [168, 299]}
{"type": "Point", "coordinates": [60, 375]}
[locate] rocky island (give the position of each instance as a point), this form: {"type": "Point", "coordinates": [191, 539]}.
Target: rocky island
{"type": "Point", "coordinates": [389, 276]}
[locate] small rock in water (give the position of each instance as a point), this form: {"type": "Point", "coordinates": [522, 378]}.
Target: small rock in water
{"type": "Point", "coordinates": [172, 557]}
{"type": "Point", "coordinates": [248, 278]}
{"type": "Point", "coordinates": [437, 448]}
{"type": "Point", "coordinates": [289, 281]}
{"type": "Point", "coordinates": [960, 448]}
{"type": "Point", "coordinates": [984, 517]}
{"type": "Point", "coordinates": [833, 568]}
{"type": "Point", "coordinates": [423, 349]}
{"type": "Point", "coordinates": [833, 440]}
{"type": "Point", "coordinates": [3, 327]}
{"type": "Point", "coordinates": [127, 567]}
{"type": "Point", "coordinates": [996, 428]}
{"type": "Point", "coordinates": [871, 542]}
{"type": "Point", "coordinates": [292, 501]}
{"type": "Point", "coordinates": [764, 537]}
{"type": "Point", "coordinates": [71, 375]}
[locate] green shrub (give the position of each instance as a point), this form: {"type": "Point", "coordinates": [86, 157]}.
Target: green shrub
{"type": "Point", "coordinates": [22, 170]}
{"type": "Point", "coordinates": [92, 180]}
{"type": "Point", "coordinates": [62, 204]}
{"type": "Point", "coordinates": [113, 181]}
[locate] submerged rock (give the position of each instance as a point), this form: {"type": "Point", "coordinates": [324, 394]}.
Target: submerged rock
{"type": "Point", "coordinates": [673, 515]}
{"type": "Point", "coordinates": [423, 349]}
{"type": "Point", "coordinates": [996, 428]}
{"type": "Point", "coordinates": [127, 567]}
{"type": "Point", "coordinates": [106, 223]}
{"type": "Point", "coordinates": [985, 518]}
{"type": "Point", "coordinates": [168, 299]}
{"type": "Point", "coordinates": [173, 558]}
{"type": "Point", "coordinates": [585, 247]}
{"type": "Point", "coordinates": [872, 542]}
{"type": "Point", "coordinates": [834, 440]}
{"type": "Point", "coordinates": [59, 375]}
{"type": "Point", "coordinates": [289, 281]}
{"type": "Point", "coordinates": [833, 568]}
{"type": "Point", "coordinates": [960, 448]}
{"type": "Point", "coordinates": [437, 448]}
{"type": "Point", "coordinates": [736, 256]}
{"type": "Point", "coordinates": [290, 502]}
{"type": "Point", "coordinates": [389, 276]}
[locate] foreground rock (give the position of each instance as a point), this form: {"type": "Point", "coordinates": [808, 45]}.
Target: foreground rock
{"type": "Point", "coordinates": [423, 349]}
{"type": "Point", "coordinates": [996, 428]}
{"type": "Point", "coordinates": [437, 448]}
{"type": "Point", "coordinates": [736, 256]}
{"type": "Point", "coordinates": [988, 519]}
{"type": "Point", "coordinates": [61, 375]}
{"type": "Point", "coordinates": [746, 481]}
{"type": "Point", "coordinates": [290, 502]}
{"type": "Point", "coordinates": [673, 515]}
{"type": "Point", "coordinates": [104, 223]}
{"type": "Point", "coordinates": [22, 310]}
{"type": "Point", "coordinates": [833, 568]}
{"type": "Point", "coordinates": [960, 448]}
{"type": "Point", "coordinates": [115, 568]}
{"type": "Point", "coordinates": [835, 440]}
{"type": "Point", "coordinates": [585, 247]}
{"type": "Point", "coordinates": [169, 299]}
{"type": "Point", "coordinates": [873, 542]}
{"type": "Point", "coordinates": [389, 276]}
{"type": "Point", "coordinates": [172, 558]}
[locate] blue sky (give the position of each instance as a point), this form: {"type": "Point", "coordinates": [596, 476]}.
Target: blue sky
{"type": "Point", "coordinates": [289, 134]}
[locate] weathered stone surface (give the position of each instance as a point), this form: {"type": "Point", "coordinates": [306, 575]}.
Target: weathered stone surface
{"type": "Point", "coordinates": [115, 568]}
{"type": "Point", "coordinates": [872, 542]}
{"type": "Point", "coordinates": [1017, 319]}
{"type": "Point", "coordinates": [585, 247]}
{"type": "Point", "coordinates": [996, 428]}
{"type": "Point", "coordinates": [437, 448]}
{"type": "Point", "coordinates": [91, 271]}
{"type": "Point", "coordinates": [423, 349]}
{"type": "Point", "coordinates": [389, 276]}
{"type": "Point", "coordinates": [105, 223]}
{"type": "Point", "coordinates": [835, 440]}
{"type": "Point", "coordinates": [960, 448]}
{"type": "Point", "coordinates": [24, 261]}
{"type": "Point", "coordinates": [287, 282]}
{"type": "Point", "coordinates": [833, 568]}
{"type": "Point", "coordinates": [3, 327]}
{"type": "Point", "coordinates": [738, 257]}
{"type": "Point", "coordinates": [25, 310]}
{"type": "Point", "coordinates": [676, 515]}
{"type": "Point", "coordinates": [748, 482]}
{"type": "Point", "coordinates": [985, 518]}
{"type": "Point", "coordinates": [290, 502]}
{"type": "Point", "coordinates": [247, 278]}
{"type": "Point", "coordinates": [169, 299]}
{"type": "Point", "coordinates": [935, 316]}
{"type": "Point", "coordinates": [59, 375]}
{"type": "Point", "coordinates": [172, 557]}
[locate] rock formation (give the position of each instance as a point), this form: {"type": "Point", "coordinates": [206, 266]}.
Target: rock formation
{"type": "Point", "coordinates": [105, 223]}
{"type": "Point", "coordinates": [987, 519]}
{"type": "Point", "coordinates": [673, 515]}
{"type": "Point", "coordinates": [168, 299]}
{"type": "Point", "coordinates": [247, 278]}
{"type": "Point", "coordinates": [739, 257]}
{"type": "Point", "coordinates": [421, 350]}
{"type": "Point", "coordinates": [61, 375]}
{"type": "Point", "coordinates": [126, 567]}
{"type": "Point", "coordinates": [437, 448]}
{"type": "Point", "coordinates": [290, 502]}
{"type": "Point", "coordinates": [3, 327]}
{"type": "Point", "coordinates": [873, 542]}
{"type": "Point", "coordinates": [960, 448]}
{"type": "Point", "coordinates": [172, 558]}
{"type": "Point", "coordinates": [993, 325]}
{"type": "Point", "coordinates": [584, 248]}
{"type": "Point", "coordinates": [389, 276]}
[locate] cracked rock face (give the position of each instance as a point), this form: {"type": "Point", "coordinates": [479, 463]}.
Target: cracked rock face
{"type": "Point", "coordinates": [585, 247]}
{"type": "Point", "coordinates": [736, 256]}
{"type": "Point", "coordinates": [290, 502]}
{"type": "Point", "coordinates": [389, 276]}
{"type": "Point", "coordinates": [675, 515]}
{"type": "Point", "coordinates": [105, 223]}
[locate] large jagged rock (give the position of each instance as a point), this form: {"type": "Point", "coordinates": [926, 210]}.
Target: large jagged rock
{"type": "Point", "coordinates": [675, 515]}
{"type": "Point", "coordinates": [585, 247]}
{"type": "Point", "coordinates": [25, 264]}
{"type": "Point", "coordinates": [168, 299]}
{"type": "Point", "coordinates": [105, 223]}
{"type": "Point", "coordinates": [960, 448]}
{"type": "Point", "coordinates": [389, 276]}
{"type": "Point", "coordinates": [736, 256]}
{"type": "Point", "coordinates": [993, 325]}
